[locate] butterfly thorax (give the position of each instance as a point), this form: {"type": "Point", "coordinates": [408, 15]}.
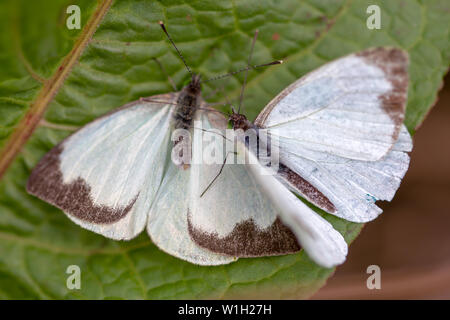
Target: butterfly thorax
{"type": "Point", "coordinates": [239, 121]}
{"type": "Point", "coordinates": [187, 103]}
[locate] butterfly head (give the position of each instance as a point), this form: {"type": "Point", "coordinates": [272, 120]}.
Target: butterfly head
{"type": "Point", "coordinates": [195, 80]}
{"type": "Point", "coordinates": [239, 121]}
{"type": "Point", "coordinates": [194, 86]}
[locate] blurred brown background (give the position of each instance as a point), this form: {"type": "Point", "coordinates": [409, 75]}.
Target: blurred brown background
{"type": "Point", "coordinates": [410, 241]}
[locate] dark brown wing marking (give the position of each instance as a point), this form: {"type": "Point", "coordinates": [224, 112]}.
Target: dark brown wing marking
{"type": "Point", "coordinates": [248, 240]}
{"type": "Point", "coordinates": [46, 182]}
{"type": "Point", "coordinates": [394, 63]}
{"type": "Point", "coordinates": [306, 189]}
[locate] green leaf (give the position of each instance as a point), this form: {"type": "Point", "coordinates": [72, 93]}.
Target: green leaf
{"type": "Point", "coordinates": [38, 242]}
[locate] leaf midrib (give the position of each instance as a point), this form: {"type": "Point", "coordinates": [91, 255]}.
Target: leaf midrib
{"type": "Point", "coordinates": [31, 118]}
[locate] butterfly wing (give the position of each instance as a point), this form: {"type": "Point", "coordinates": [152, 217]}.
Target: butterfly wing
{"type": "Point", "coordinates": [351, 186]}
{"type": "Point", "coordinates": [167, 224]}
{"type": "Point", "coordinates": [106, 175]}
{"type": "Point", "coordinates": [318, 238]}
{"type": "Point", "coordinates": [233, 217]}
{"type": "Point", "coordinates": [340, 132]}
{"type": "Point", "coordinates": [352, 107]}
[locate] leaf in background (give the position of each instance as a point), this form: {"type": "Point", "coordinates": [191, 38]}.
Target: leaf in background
{"type": "Point", "coordinates": [37, 241]}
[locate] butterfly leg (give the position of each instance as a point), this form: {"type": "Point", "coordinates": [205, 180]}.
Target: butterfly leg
{"type": "Point", "coordinates": [204, 130]}
{"type": "Point", "coordinates": [218, 174]}
{"type": "Point", "coordinates": [214, 92]}
{"type": "Point", "coordinates": [222, 90]}
{"type": "Point", "coordinates": [163, 70]}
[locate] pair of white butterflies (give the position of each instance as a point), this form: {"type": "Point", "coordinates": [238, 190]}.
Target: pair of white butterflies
{"type": "Point", "coordinates": [342, 146]}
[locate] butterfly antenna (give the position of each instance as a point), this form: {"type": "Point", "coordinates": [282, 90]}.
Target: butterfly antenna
{"type": "Point", "coordinates": [227, 101]}
{"type": "Point", "coordinates": [209, 109]}
{"type": "Point", "coordinates": [163, 27]}
{"type": "Point", "coordinates": [213, 110]}
{"type": "Point", "coordinates": [163, 70]}
{"type": "Point", "coordinates": [243, 69]}
{"type": "Point", "coordinates": [241, 97]}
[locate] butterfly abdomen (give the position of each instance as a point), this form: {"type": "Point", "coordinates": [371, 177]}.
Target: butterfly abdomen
{"type": "Point", "coordinates": [187, 103]}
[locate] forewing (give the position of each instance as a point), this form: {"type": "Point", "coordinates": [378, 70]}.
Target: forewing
{"type": "Point", "coordinates": [105, 176]}
{"type": "Point", "coordinates": [352, 107]}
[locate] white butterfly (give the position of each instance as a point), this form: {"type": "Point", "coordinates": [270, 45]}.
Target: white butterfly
{"type": "Point", "coordinates": [342, 145]}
